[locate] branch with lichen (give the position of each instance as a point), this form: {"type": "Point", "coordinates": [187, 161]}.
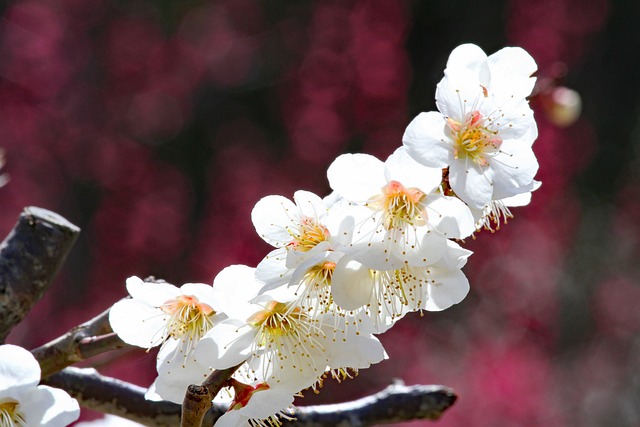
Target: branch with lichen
{"type": "Point", "coordinates": [80, 343]}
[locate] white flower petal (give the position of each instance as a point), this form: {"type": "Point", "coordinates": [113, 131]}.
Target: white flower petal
{"type": "Point", "coordinates": [226, 345]}
{"type": "Point", "coordinates": [273, 270]}
{"type": "Point", "coordinates": [295, 258]}
{"type": "Point", "coordinates": [268, 402]}
{"type": "Point", "coordinates": [471, 183]}
{"type": "Point", "coordinates": [351, 284]}
{"type": "Point", "coordinates": [175, 376]}
{"type": "Point", "coordinates": [420, 249]}
{"type": "Point", "coordinates": [513, 174]}
{"type": "Point", "coordinates": [374, 255]}
{"type": "Point", "coordinates": [331, 199]}
{"type": "Point", "coordinates": [512, 120]}
{"type": "Point", "coordinates": [341, 224]}
{"type": "Point", "coordinates": [458, 93]}
{"type": "Point", "coordinates": [450, 287]}
{"type": "Point", "coordinates": [137, 323]}
{"type": "Point", "coordinates": [511, 70]}
{"type": "Point", "coordinates": [19, 370]}
{"type": "Point", "coordinates": [153, 293]}
{"type": "Point", "coordinates": [271, 216]}
{"type": "Point", "coordinates": [355, 350]}
{"type": "Point", "coordinates": [454, 258]}
{"type": "Point", "coordinates": [522, 199]}
{"type": "Point", "coordinates": [310, 205]}
{"type": "Point", "coordinates": [466, 56]}
{"type": "Point", "coordinates": [356, 177]}
{"type": "Point", "coordinates": [450, 216]}
{"type": "Point", "coordinates": [49, 407]}
{"type": "Point", "coordinates": [427, 141]}
{"type": "Point", "coordinates": [401, 167]}
{"type": "Point", "coordinates": [234, 286]}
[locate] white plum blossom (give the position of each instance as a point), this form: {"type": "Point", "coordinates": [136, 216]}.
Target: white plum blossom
{"type": "Point", "coordinates": [299, 230]}
{"type": "Point", "coordinates": [401, 216]}
{"type": "Point", "coordinates": [160, 313]}
{"type": "Point", "coordinates": [298, 225]}
{"type": "Point", "coordinates": [309, 236]}
{"type": "Point", "coordinates": [485, 128]}
{"type": "Point", "coordinates": [24, 403]}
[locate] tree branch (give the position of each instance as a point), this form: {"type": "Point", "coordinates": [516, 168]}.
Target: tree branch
{"type": "Point", "coordinates": [112, 396]}
{"type": "Point", "coordinates": [30, 257]}
{"type": "Point", "coordinates": [80, 343]}
{"type": "Point", "coordinates": [396, 403]}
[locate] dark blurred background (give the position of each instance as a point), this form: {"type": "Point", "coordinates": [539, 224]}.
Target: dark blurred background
{"type": "Point", "coordinates": [156, 125]}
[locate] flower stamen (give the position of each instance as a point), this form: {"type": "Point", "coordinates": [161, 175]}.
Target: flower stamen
{"type": "Point", "coordinates": [10, 415]}
{"type": "Point", "coordinates": [400, 206]}
{"type": "Point", "coordinates": [288, 334]}
{"type": "Point", "coordinates": [308, 234]}
{"type": "Point", "coordinates": [188, 317]}
{"type": "Point", "coordinates": [473, 139]}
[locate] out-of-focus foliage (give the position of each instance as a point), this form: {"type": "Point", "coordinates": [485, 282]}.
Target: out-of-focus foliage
{"type": "Point", "coordinates": [155, 126]}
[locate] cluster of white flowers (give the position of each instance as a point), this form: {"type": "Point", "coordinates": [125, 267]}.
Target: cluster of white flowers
{"type": "Point", "coordinates": [346, 267]}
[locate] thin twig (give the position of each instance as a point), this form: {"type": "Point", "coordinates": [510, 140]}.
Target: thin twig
{"type": "Point", "coordinates": [80, 343]}
{"type": "Point", "coordinates": [30, 257]}
{"type": "Point", "coordinates": [394, 404]}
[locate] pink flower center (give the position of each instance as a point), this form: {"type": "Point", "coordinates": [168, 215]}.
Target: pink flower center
{"type": "Point", "coordinates": [473, 140]}
{"type": "Point", "coordinates": [308, 235]}
{"type": "Point", "coordinates": [188, 317]}
{"type": "Point", "coordinates": [400, 206]}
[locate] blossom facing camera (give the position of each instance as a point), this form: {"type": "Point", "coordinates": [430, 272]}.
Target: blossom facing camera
{"type": "Point", "coordinates": [401, 217]}
{"type": "Point", "coordinates": [25, 403]}
{"type": "Point", "coordinates": [162, 314]}
{"type": "Point", "coordinates": [484, 129]}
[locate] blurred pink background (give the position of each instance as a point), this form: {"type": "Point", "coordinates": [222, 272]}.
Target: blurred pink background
{"type": "Point", "coordinates": [156, 126]}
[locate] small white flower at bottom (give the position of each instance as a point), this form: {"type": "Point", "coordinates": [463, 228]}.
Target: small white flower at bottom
{"type": "Point", "coordinates": [24, 403]}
